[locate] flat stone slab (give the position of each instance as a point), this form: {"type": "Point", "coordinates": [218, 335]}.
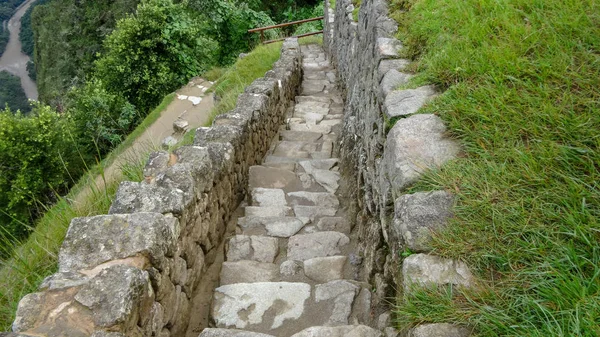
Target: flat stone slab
{"type": "Point", "coordinates": [273, 211]}
{"type": "Point", "coordinates": [414, 145]}
{"type": "Point", "coordinates": [268, 197]}
{"type": "Point", "coordinates": [313, 212]}
{"type": "Point", "coordinates": [429, 270]}
{"type": "Point", "coordinates": [339, 331]}
{"type": "Point", "coordinates": [245, 304]}
{"type": "Point", "coordinates": [325, 269]}
{"type": "Point", "coordinates": [209, 332]}
{"type": "Point", "coordinates": [305, 99]}
{"type": "Point", "coordinates": [418, 215]}
{"type": "Point", "coordinates": [307, 246]}
{"type": "Point", "coordinates": [386, 65]}
{"type": "Point", "coordinates": [388, 48]}
{"type": "Point", "coordinates": [407, 102]}
{"type": "Point", "coordinates": [392, 80]}
{"type": "Point", "coordinates": [336, 224]}
{"type": "Point", "coordinates": [314, 199]}
{"type": "Point", "coordinates": [248, 272]}
{"type": "Point", "coordinates": [283, 227]}
{"type": "Point", "coordinates": [254, 248]}
{"type": "Point", "coordinates": [268, 177]}
{"type": "Point", "coordinates": [342, 293]}
{"type": "Point", "coordinates": [439, 330]}
{"type": "Point", "coordinates": [300, 136]}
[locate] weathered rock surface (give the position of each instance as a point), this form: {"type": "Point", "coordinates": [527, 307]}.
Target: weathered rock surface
{"type": "Point", "coordinates": [231, 333]}
{"type": "Point", "coordinates": [134, 197]}
{"type": "Point", "coordinates": [413, 145]}
{"type": "Point", "coordinates": [245, 304]}
{"type": "Point", "coordinates": [429, 270]}
{"type": "Point", "coordinates": [255, 248]}
{"type": "Point", "coordinates": [339, 331]}
{"type": "Point", "coordinates": [96, 240]}
{"type": "Point", "coordinates": [325, 269]}
{"type": "Point", "coordinates": [342, 293]}
{"type": "Point", "coordinates": [265, 197]}
{"type": "Point", "coordinates": [307, 246]}
{"type": "Point", "coordinates": [117, 295]}
{"type": "Point", "coordinates": [418, 215]}
{"type": "Point", "coordinates": [439, 330]}
{"type": "Point", "coordinates": [248, 272]}
{"type": "Point", "coordinates": [407, 102]}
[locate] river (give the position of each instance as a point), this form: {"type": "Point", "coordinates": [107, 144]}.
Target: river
{"type": "Point", "coordinates": [14, 60]}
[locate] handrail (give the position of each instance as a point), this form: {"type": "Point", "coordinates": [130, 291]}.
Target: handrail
{"type": "Point", "coordinates": [261, 30]}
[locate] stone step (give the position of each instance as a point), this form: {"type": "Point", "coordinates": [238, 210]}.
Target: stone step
{"type": "Point", "coordinates": [253, 248]}
{"type": "Point", "coordinates": [210, 332]}
{"type": "Point", "coordinates": [248, 272]}
{"type": "Point", "coordinates": [282, 227]}
{"type": "Point", "coordinates": [310, 99]}
{"type": "Point", "coordinates": [313, 199]}
{"type": "Point", "coordinates": [284, 308]}
{"type": "Point", "coordinates": [303, 247]}
{"type": "Point", "coordinates": [268, 197]}
{"type": "Point", "coordinates": [339, 331]}
{"type": "Point", "coordinates": [300, 136]}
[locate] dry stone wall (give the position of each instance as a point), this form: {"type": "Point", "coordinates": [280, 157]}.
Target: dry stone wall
{"type": "Point", "coordinates": [386, 146]}
{"type": "Point", "coordinates": [134, 271]}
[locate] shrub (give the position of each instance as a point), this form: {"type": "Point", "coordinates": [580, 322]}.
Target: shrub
{"type": "Point", "coordinates": [37, 155]}
{"type": "Point", "coordinates": [102, 119]}
{"type": "Point", "coordinates": [154, 52]}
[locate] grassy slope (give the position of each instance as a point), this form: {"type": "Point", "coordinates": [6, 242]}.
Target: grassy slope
{"type": "Point", "coordinates": [522, 80]}
{"type": "Point", "coordinates": [36, 258]}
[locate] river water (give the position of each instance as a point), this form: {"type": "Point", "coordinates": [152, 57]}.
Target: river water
{"type": "Point", "coordinates": [13, 60]}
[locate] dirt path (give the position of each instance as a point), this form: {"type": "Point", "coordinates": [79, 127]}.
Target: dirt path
{"type": "Point", "coordinates": [13, 60]}
{"type": "Point", "coordinates": [181, 107]}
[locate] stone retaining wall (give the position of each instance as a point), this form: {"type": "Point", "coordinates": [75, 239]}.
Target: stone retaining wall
{"type": "Point", "coordinates": [385, 145]}
{"type": "Point", "coordinates": [134, 271]}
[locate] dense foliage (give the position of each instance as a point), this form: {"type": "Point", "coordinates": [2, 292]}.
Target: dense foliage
{"type": "Point", "coordinates": [154, 52]}
{"type": "Point", "coordinates": [26, 33]}
{"type": "Point", "coordinates": [7, 10]}
{"type": "Point", "coordinates": [12, 94]}
{"type": "Point", "coordinates": [68, 36]}
{"type": "Point", "coordinates": [38, 157]}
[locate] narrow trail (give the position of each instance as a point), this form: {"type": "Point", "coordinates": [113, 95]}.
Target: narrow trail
{"type": "Point", "coordinates": [14, 60]}
{"type": "Point", "coordinates": [291, 268]}
{"type": "Point", "coordinates": [195, 114]}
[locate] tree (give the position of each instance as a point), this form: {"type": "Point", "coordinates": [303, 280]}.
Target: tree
{"type": "Point", "coordinates": [154, 52]}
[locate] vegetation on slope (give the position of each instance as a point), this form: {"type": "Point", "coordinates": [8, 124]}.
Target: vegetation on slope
{"type": "Point", "coordinates": [35, 258]}
{"type": "Point", "coordinates": [522, 83]}
{"type": "Point", "coordinates": [12, 94]}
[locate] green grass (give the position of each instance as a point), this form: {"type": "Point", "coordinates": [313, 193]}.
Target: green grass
{"type": "Point", "coordinates": [522, 81]}
{"type": "Point", "coordinates": [35, 258]}
{"type": "Point", "coordinates": [234, 80]}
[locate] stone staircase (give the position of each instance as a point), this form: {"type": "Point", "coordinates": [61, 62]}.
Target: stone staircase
{"type": "Point", "coordinates": [291, 266]}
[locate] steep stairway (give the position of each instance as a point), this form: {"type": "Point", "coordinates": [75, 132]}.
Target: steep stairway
{"type": "Point", "coordinates": [290, 269]}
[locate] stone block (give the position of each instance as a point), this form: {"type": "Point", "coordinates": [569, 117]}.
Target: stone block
{"type": "Point", "coordinates": [255, 248]}
{"type": "Point", "coordinates": [96, 240]}
{"type": "Point", "coordinates": [414, 145]}
{"type": "Point", "coordinates": [408, 101]}
{"type": "Point", "coordinates": [307, 246]}
{"type": "Point", "coordinates": [439, 330]}
{"type": "Point", "coordinates": [135, 197]}
{"type": "Point", "coordinates": [418, 215]}
{"type": "Point", "coordinates": [118, 296]}
{"type": "Point", "coordinates": [429, 270]}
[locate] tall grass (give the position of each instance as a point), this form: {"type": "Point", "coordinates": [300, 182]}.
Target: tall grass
{"type": "Point", "coordinates": [522, 81]}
